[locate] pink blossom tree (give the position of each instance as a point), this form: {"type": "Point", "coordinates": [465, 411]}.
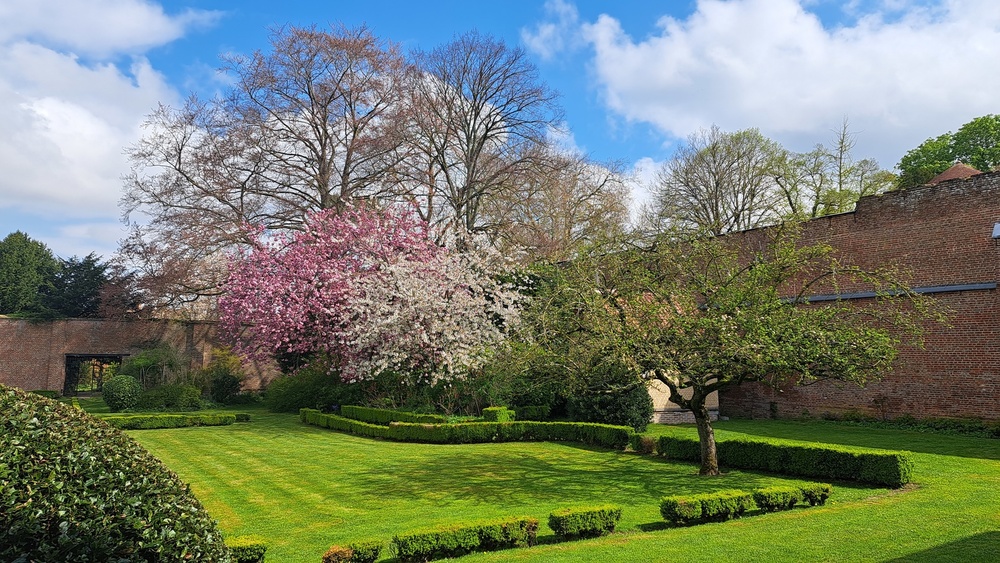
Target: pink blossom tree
{"type": "Point", "coordinates": [370, 290]}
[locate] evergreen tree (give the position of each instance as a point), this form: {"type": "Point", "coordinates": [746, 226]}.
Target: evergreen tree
{"type": "Point", "coordinates": [25, 266]}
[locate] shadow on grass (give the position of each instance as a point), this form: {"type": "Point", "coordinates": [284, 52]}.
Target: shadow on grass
{"type": "Point", "coordinates": [980, 547]}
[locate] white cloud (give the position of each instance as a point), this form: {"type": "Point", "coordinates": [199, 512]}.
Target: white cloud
{"type": "Point", "coordinates": [559, 33]}
{"type": "Point", "coordinates": [900, 75]}
{"type": "Point", "coordinates": [74, 90]}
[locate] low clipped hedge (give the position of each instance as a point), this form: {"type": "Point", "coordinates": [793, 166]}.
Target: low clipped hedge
{"type": "Point", "coordinates": [458, 540]}
{"type": "Point", "coordinates": [533, 412]}
{"type": "Point", "coordinates": [356, 552]}
{"type": "Point", "coordinates": [154, 421]}
{"type": "Point", "coordinates": [728, 504]}
{"type": "Point", "coordinates": [75, 489]}
{"type": "Point", "coordinates": [384, 417]}
{"type": "Point", "coordinates": [876, 467]}
{"type": "Point", "coordinates": [568, 523]}
{"type": "Point", "coordinates": [605, 435]}
{"type": "Point", "coordinates": [247, 549]}
{"type": "Point", "coordinates": [171, 397]}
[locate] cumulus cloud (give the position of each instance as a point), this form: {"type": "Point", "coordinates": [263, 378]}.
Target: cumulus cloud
{"type": "Point", "coordinates": [560, 32]}
{"type": "Point", "coordinates": [74, 90]}
{"type": "Point", "coordinates": [901, 71]}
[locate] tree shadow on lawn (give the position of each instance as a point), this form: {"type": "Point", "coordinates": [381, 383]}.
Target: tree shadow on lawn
{"type": "Point", "coordinates": [562, 474]}
{"type": "Point", "coordinates": [984, 546]}
{"type": "Point", "coordinates": [863, 436]}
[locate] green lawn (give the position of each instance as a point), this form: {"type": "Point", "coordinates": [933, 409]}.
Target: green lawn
{"type": "Point", "coordinates": [305, 488]}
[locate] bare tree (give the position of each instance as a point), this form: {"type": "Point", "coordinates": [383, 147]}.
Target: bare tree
{"type": "Point", "coordinates": [560, 206]}
{"type": "Point", "coordinates": [309, 125]}
{"type": "Point", "coordinates": [719, 182]}
{"type": "Point", "coordinates": [479, 112]}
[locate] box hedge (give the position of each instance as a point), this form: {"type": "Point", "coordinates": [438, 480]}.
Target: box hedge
{"type": "Point", "coordinates": [584, 522]}
{"type": "Point", "coordinates": [384, 417]}
{"type": "Point", "coordinates": [498, 414]}
{"type": "Point", "coordinates": [356, 552]}
{"type": "Point", "coordinates": [154, 421]}
{"type": "Point", "coordinates": [247, 549]}
{"type": "Point", "coordinates": [458, 540]}
{"type": "Point", "coordinates": [605, 435]}
{"type": "Point", "coordinates": [725, 505]}
{"type": "Point", "coordinates": [877, 467]}
{"type": "Point", "coordinates": [74, 489]}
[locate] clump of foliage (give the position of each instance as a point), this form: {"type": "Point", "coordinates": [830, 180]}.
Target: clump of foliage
{"type": "Point", "coordinates": [121, 393]}
{"type": "Point", "coordinates": [455, 541]}
{"type": "Point", "coordinates": [315, 386]}
{"type": "Point", "coordinates": [247, 549]}
{"type": "Point", "coordinates": [585, 522]}
{"type": "Point", "coordinates": [224, 375]}
{"type": "Point", "coordinates": [74, 489]}
{"type": "Point", "coordinates": [355, 552]}
{"type": "Point", "coordinates": [977, 143]}
{"type": "Point", "coordinates": [152, 366]}
{"type": "Point", "coordinates": [171, 397]}
{"type": "Point", "coordinates": [613, 396]}
{"type": "Point", "coordinates": [498, 414]}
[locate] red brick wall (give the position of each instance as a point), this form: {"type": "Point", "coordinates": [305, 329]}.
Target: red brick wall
{"type": "Point", "coordinates": [942, 235]}
{"type": "Point", "coordinates": [33, 354]}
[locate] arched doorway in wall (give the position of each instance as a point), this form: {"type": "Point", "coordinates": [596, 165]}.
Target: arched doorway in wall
{"type": "Point", "coordinates": [87, 372]}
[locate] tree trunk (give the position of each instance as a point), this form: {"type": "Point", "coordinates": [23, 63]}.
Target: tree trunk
{"type": "Point", "coordinates": [706, 437]}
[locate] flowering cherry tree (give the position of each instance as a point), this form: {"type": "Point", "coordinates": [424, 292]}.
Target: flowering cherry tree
{"type": "Point", "coordinates": [371, 290]}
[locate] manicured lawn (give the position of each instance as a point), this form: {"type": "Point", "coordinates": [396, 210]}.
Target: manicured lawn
{"type": "Point", "coordinates": [305, 488]}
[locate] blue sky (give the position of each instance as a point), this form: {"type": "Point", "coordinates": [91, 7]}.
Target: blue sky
{"type": "Point", "coordinates": [636, 77]}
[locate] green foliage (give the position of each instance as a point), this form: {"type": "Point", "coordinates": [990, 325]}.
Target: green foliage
{"type": "Point", "coordinates": [171, 397]}
{"type": "Point", "coordinates": [585, 522]}
{"type": "Point", "coordinates": [365, 551]}
{"type": "Point", "coordinates": [458, 540]}
{"type": "Point", "coordinates": [384, 416]}
{"type": "Point", "coordinates": [878, 467]}
{"type": "Point", "coordinates": [642, 444]}
{"type": "Point", "coordinates": [153, 421]}
{"type": "Point", "coordinates": [977, 143]}
{"type": "Point", "coordinates": [247, 549]}
{"type": "Point", "coordinates": [121, 392]}
{"type": "Point", "coordinates": [604, 435]}
{"type": "Point", "coordinates": [816, 493]}
{"type": "Point", "coordinates": [224, 375]}
{"type": "Point", "coordinates": [74, 489]}
{"type": "Point", "coordinates": [725, 505]}
{"type": "Point", "coordinates": [25, 266]}
{"type": "Point", "coordinates": [615, 397]}
{"type": "Point", "coordinates": [48, 394]}
{"type": "Point", "coordinates": [533, 412]}
{"type": "Point", "coordinates": [338, 554]}
{"type": "Point", "coordinates": [315, 386]}
{"type": "Point", "coordinates": [74, 289]}
{"type": "Point", "coordinates": [772, 499]}
{"type": "Point", "coordinates": [153, 366]}
{"type": "Point", "coordinates": [498, 414]}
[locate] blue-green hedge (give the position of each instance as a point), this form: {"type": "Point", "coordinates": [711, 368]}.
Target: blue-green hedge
{"type": "Point", "coordinates": [877, 467]}
{"type": "Point", "coordinates": [606, 435]}
{"type": "Point", "coordinates": [153, 421]}
{"type": "Point", "coordinates": [455, 541]}
{"type": "Point", "coordinates": [584, 522]}
{"type": "Point", "coordinates": [384, 417]}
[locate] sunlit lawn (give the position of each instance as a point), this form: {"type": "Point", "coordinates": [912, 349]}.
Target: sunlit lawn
{"type": "Point", "coordinates": [304, 488]}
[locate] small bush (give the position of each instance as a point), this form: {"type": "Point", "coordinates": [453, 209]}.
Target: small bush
{"type": "Point", "coordinates": [338, 554]}
{"type": "Point", "coordinates": [711, 507]}
{"type": "Point", "coordinates": [171, 397]}
{"type": "Point", "coordinates": [816, 493]}
{"type": "Point", "coordinates": [315, 386]}
{"type": "Point", "coordinates": [121, 392]}
{"type": "Point", "coordinates": [242, 417]}
{"type": "Point", "coordinates": [772, 499]}
{"type": "Point", "coordinates": [498, 414]}
{"type": "Point", "coordinates": [533, 412]}
{"type": "Point", "coordinates": [74, 489]}
{"type": "Point", "coordinates": [681, 510]}
{"type": "Point", "coordinates": [455, 541]}
{"type": "Point", "coordinates": [365, 551]}
{"type": "Point", "coordinates": [642, 444]}
{"type": "Point", "coordinates": [247, 549]}
{"type": "Point", "coordinates": [585, 522]}
{"type": "Point", "coordinates": [627, 405]}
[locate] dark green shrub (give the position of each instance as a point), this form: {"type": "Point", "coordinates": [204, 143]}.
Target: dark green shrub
{"type": "Point", "coordinates": [816, 493]}
{"type": "Point", "coordinates": [679, 448]}
{"type": "Point", "coordinates": [458, 540]}
{"type": "Point", "coordinates": [74, 489]}
{"type": "Point", "coordinates": [171, 397]}
{"type": "Point", "coordinates": [153, 366]}
{"type": "Point", "coordinates": [242, 417]}
{"type": "Point", "coordinates": [585, 522]}
{"type": "Point", "coordinates": [155, 421]}
{"type": "Point", "coordinates": [247, 549]}
{"type": "Point", "coordinates": [338, 554]}
{"type": "Point", "coordinates": [315, 386]}
{"type": "Point", "coordinates": [121, 392]}
{"type": "Point", "coordinates": [365, 551]}
{"type": "Point", "coordinates": [681, 510]}
{"type": "Point", "coordinates": [48, 394]}
{"type": "Point", "coordinates": [642, 444]}
{"type": "Point", "coordinates": [771, 499]}
{"type": "Point", "coordinates": [498, 414]}
{"type": "Point", "coordinates": [710, 507]}
{"type": "Point", "coordinates": [614, 395]}
{"type": "Point", "coordinates": [224, 375]}
{"type": "Point", "coordinates": [533, 412]}
{"type": "Point", "coordinates": [384, 416]}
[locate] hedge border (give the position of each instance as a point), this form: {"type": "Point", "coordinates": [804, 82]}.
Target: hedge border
{"type": "Point", "coordinates": [720, 506]}
{"type": "Point", "coordinates": [460, 539]}
{"type": "Point", "coordinates": [156, 421]}
{"type": "Point", "coordinates": [584, 522]}
{"type": "Point", "coordinates": [384, 416]}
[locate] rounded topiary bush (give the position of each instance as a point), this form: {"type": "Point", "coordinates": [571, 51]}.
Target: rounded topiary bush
{"type": "Point", "coordinates": [121, 392]}
{"type": "Point", "coordinates": [72, 488]}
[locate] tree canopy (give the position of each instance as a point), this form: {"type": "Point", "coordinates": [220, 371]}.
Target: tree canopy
{"type": "Point", "coordinates": [977, 143]}
{"type": "Point", "coordinates": [25, 266]}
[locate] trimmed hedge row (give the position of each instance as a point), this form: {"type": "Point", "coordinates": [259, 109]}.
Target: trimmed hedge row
{"type": "Point", "coordinates": [384, 417]}
{"type": "Point", "coordinates": [726, 505]}
{"type": "Point", "coordinates": [533, 412]}
{"type": "Point", "coordinates": [247, 549]}
{"type": "Point", "coordinates": [498, 414]}
{"type": "Point", "coordinates": [154, 421]}
{"type": "Point", "coordinates": [356, 552]}
{"type": "Point", "coordinates": [455, 541]}
{"type": "Point", "coordinates": [877, 467]}
{"type": "Point", "coordinates": [605, 435]}
{"type": "Point", "coordinates": [588, 522]}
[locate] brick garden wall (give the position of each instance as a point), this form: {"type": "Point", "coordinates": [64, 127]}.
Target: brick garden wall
{"type": "Point", "coordinates": [33, 354]}
{"type": "Point", "coordinates": [942, 235]}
